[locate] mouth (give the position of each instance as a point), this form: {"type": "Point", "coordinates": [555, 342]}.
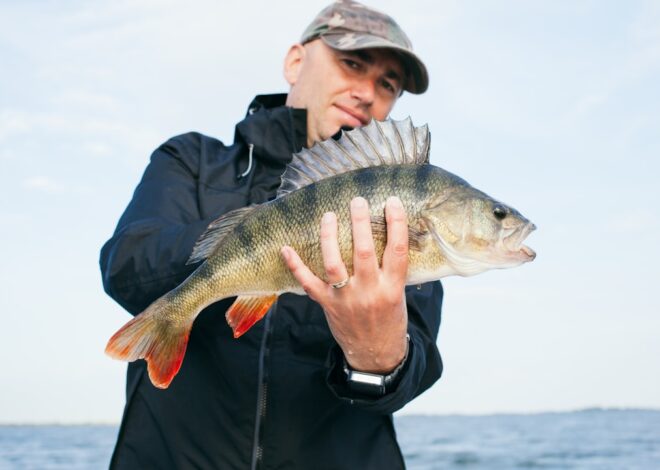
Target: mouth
{"type": "Point", "coordinates": [515, 248]}
{"type": "Point", "coordinates": [528, 253]}
{"type": "Point", "coordinates": [352, 118]}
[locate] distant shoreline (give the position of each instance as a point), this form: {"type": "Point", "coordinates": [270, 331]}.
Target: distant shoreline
{"type": "Point", "coordinates": [397, 416]}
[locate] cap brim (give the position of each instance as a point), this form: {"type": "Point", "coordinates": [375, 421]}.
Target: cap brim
{"type": "Point", "coordinates": [418, 77]}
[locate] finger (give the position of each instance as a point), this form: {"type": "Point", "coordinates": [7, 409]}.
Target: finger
{"type": "Point", "coordinates": [395, 257]}
{"type": "Point", "coordinates": [335, 269]}
{"type": "Point", "coordinates": [312, 285]}
{"type": "Point", "coordinates": [365, 264]}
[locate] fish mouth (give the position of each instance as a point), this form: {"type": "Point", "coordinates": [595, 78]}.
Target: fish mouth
{"type": "Point", "coordinates": [507, 252]}
{"type": "Point", "coordinates": [513, 243]}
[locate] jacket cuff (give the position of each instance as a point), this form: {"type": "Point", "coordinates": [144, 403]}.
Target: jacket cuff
{"type": "Point", "coordinates": [396, 395]}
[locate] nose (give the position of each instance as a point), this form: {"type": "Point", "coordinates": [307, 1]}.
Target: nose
{"type": "Point", "coordinates": [364, 90]}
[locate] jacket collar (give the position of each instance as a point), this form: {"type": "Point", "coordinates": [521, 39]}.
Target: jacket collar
{"type": "Point", "coordinates": [275, 130]}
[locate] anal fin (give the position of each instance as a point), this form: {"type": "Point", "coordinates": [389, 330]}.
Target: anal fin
{"type": "Point", "coordinates": [248, 310]}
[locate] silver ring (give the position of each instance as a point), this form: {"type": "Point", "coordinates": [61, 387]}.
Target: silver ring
{"type": "Point", "coordinates": [340, 284]}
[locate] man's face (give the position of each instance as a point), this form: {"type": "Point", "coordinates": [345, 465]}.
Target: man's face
{"type": "Point", "coordinates": [341, 88]}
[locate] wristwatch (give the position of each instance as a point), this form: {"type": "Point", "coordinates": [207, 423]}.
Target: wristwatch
{"type": "Point", "coordinates": [373, 384]}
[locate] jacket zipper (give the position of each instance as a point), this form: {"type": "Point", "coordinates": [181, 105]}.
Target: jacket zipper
{"type": "Point", "coordinates": [262, 381]}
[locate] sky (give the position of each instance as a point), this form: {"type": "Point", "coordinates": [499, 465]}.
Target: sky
{"type": "Point", "coordinates": [550, 106]}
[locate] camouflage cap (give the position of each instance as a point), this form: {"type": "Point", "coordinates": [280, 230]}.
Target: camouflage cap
{"type": "Point", "coordinates": [347, 25]}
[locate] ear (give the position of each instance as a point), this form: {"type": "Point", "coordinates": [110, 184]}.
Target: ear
{"type": "Point", "coordinates": [293, 63]}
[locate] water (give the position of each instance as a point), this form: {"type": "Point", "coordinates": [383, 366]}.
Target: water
{"type": "Point", "coordinates": [56, 447]}
{"type": "Point", "coordinates": [590, 439]}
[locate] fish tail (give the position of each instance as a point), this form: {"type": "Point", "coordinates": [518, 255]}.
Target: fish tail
{"type": "Point", "coordinates": [153, 335]}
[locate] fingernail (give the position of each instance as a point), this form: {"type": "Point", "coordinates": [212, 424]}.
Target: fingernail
{"type": "Point", "coordinates": [358, 202]}
{"type": "Point", "coordinates": [327, 218]}
{"type": "Point", "coordinates": [394, 201]}
{"type": "Point", "coordinates": [285, 253]}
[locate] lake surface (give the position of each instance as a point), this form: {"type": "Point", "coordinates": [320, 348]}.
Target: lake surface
{"type": "Point", "coordinates": [589, 439]}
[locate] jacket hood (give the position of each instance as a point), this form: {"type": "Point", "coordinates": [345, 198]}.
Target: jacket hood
{"type": "Point", "coordinates": [275, 130]}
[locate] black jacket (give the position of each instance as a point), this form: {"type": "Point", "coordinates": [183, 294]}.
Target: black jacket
{"type": "Point", "coordinates": [275, 398]}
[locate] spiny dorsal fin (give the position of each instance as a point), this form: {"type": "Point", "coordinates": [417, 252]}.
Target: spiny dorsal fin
{"type": "Point", "coordinates": [216, 231]}
{"type": "Point", "coordinates": [379, 143]}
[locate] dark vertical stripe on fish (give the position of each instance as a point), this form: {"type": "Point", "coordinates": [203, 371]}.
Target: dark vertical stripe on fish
{"type": "Point", "coordinates": [365, 180]}
{"type": "Point", "coordinates": [396, 176]}
{"type": "Point", "coordinates": [245, 234]}
{"type": "Point", "coordinates": [280, 210]}
{"type": "Point", "coordinates": [422, 180]}
{"type": "Point", "coordinates": [311, 196]}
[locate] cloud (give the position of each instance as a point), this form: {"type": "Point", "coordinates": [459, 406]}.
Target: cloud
{"type": "Point", "coordinates": [97, 149]}
{"type": "Point", "coordinates": [85, 99]}
{"type": "Point", "coordinates": [640, 60]}
{"type": "Point", "coordinates": [49, 134]}
{"type": "Point", "coordinates": [43, 184]}
{"type": "Point", "coordinates": [12, 123]}
{"type": "Point", "coordinates": [634, 222]}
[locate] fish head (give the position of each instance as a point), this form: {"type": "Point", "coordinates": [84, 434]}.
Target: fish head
{"type": "Point", "coordinates": [476, 232]}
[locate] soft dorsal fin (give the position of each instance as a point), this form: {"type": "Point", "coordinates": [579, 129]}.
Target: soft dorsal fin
{"type": "Point", "coordinates": [379, 143]}
{"type": "Point", "coordinates": [216, 231]}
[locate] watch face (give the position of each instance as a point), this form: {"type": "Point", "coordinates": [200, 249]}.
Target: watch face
{"type": "Point", "coordinates": [366, 384]}
{"type": "Point", "coordinates": [366, 379]}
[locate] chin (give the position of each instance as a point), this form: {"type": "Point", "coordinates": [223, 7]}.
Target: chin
{"type": "Point", "coordinates": [331, 132]}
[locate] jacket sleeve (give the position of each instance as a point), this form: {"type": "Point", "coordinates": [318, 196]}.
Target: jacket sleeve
{"type": "Point", "coordinates": [146, 256]}
{"type": "Point", "coordinates": [423, 366]}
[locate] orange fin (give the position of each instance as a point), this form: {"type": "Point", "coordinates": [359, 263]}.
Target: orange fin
{"type": "Point", "coordinates": [248, 310]}
{"type": "Point", "coordinates": [151, 336]}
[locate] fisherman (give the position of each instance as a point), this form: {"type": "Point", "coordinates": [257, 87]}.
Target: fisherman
{"type": "Point", "coordinates": [315, 383]}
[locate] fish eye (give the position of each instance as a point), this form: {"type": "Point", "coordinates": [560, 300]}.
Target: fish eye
{"type": "Point", "coordinates": [499, 212]}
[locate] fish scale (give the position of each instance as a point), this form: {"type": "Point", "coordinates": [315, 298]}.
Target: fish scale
{"type": "Point", "coordinates": [453, 229]}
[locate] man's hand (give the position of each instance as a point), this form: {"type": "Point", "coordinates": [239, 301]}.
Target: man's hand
{"type": "Point", "coordinates": [367, 316]}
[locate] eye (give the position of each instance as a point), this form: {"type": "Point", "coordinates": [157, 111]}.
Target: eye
{"type": "Point", "coordinates": [388, 86]}
{"type": "Point", "coordinates": [351, 64]}
{"type": "Point", "coordinates": [499, 212]}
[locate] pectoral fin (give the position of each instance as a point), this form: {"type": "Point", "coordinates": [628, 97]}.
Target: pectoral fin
{"type": "Point", "coordinates": [415, 235]}
{"type": "Point", "coordinates": [248, 310]}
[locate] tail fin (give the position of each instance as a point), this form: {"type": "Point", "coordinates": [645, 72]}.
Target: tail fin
{"type": "Point", "coordinates": [151, 336]}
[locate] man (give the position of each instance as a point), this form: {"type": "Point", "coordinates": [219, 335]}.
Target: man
{"type": "Point", "coordinates": [314, 384]}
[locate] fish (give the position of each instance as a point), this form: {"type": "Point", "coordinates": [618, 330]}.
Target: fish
{"type": "Point", "coordinates": [454, 229]}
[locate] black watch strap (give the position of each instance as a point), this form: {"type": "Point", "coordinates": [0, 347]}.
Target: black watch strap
{"type": "Point", "coordinates": [373, 384]}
